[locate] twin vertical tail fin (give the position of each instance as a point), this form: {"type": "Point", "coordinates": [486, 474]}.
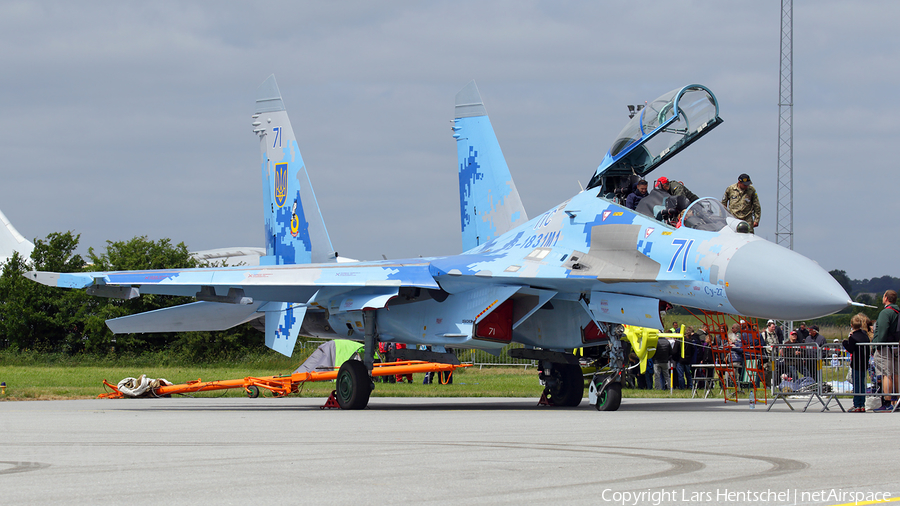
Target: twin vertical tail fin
{"type": "Point", "coordinates": [294, 227]}
{"type": "Point", "coordinates": [489, 202]}
{"type": "Point", "coordinates": [295, 234]}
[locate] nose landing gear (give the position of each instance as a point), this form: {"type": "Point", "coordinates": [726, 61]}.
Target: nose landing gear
{"type": "Point", "coordinates": [605, 391]}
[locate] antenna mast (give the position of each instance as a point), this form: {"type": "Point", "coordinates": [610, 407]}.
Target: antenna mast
{"type": "Point", "coordinates": [784, 220]}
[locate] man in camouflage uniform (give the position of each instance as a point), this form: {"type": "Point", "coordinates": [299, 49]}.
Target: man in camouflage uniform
{"type": "Point", "coordinates": [675, 188]}
{"type": "Point", "coordinates": [742, 201]}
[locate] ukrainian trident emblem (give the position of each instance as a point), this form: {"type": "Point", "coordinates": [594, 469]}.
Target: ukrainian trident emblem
{"type": "Point", "coordinates": [281, 183]}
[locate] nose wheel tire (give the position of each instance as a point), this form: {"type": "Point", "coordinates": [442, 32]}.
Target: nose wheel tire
{"type": "Point", "coordinates": [610, 398]}
{"type": "Point", "coordinates": [353, 385]}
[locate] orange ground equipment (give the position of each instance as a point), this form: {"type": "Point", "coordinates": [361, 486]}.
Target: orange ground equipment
{"type": "Point", "coordinates": [283, 385]}
{"type": "Point", "coordinates": [730, 377]}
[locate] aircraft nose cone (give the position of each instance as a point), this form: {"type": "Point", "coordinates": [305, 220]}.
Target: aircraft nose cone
{"type": "Point", "coordinates": [766, 280]}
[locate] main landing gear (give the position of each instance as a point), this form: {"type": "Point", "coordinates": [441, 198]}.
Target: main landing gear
{"type": "Point", "coordinates": [353, 385]}
{"type": "Point", "coordinates": [563, 384]}
{"type": "Point", "coordinates": [560, 373]}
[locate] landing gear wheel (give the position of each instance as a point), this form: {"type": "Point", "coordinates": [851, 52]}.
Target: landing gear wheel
{"type": "Point", "coordinates": [565, 387]}
{"type": "Point", "coordinates": [353, 385]}
{"type": "Point", "coordinates": [253, 391]}
{"type": "Point", "coordinates": [610, 398]}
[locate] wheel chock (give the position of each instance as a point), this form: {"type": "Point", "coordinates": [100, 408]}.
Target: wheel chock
{"type": "Point", "coordinates": [332, 402]}
{"type": "Point", "coordinates": [544, 401]}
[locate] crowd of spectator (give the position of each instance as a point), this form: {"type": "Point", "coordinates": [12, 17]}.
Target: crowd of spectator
{"type": "Point", "coordinates": [685, 360]}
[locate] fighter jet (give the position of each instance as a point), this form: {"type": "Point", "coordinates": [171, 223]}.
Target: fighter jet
{"type": "Point", "coordinates": [569, 278]}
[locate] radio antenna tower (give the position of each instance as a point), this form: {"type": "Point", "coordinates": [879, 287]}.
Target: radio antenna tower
{"type": "Point", "coordinates": [784, 219]}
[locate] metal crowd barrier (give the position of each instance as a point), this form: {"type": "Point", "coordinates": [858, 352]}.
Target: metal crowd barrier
{"type": "Point", "coordinates": [805, 371]}
{"type": "Point", "coordinates": [481, 358]}
{"type": "Point", "coordinates": [889, 355]}
{"type": "Point", "coordinates": [797, 374]}
{"type": "Point", "coordinates": [478, 358]}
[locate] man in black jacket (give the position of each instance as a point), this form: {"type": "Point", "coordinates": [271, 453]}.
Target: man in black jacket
{"type": "Point", "coordinates": [802, 332]}
{"type": "Point", "coordinates": [635, 197]}
{"type": "Point", "coordinates": [815, 337]}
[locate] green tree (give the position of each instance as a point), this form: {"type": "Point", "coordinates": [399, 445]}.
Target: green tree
{"type": "Point", "coordinates": [56, 253]}
{"type": "Point", "coordinates": [13, 317]}
{"type": "Point", "coordinates": [46, 318]}
{"type": "Point", "coordinates": [138, 253]}
{"type": "Point", "coordinates": [877, 285]}
{"type": "Point", "coordinates": [842, 278]}
{"type": "Point", "coordinates": [867, 299]}
{"type": "Point", "coordinates": [34, 316]}
{"type": "Point", "coordinates": [141, 253]}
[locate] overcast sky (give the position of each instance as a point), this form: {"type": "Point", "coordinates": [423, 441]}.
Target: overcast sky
{"type": "Point", "coordinates": [123, 119]}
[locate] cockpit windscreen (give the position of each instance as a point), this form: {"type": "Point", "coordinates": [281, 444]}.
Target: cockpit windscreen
{"type": "Point", "coordinates": [706, 214]}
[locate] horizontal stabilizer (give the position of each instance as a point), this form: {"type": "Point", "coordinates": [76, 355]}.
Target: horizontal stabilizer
{"type": "Point", "coordinates": [196, 316]}
{"type": "Point", "coordinates": [283, 323]}
{"type": "Point", "coordinates": [230, 256]}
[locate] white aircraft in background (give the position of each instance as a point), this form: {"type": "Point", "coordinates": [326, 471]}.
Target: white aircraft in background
{"type": "Point", "coordinates": [11, 241]}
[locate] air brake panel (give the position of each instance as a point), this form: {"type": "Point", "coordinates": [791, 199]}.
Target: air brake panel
{"type": "Point", "coordinates": [496, 326]}
{"type": "Point", "coordinates": [592, 334]}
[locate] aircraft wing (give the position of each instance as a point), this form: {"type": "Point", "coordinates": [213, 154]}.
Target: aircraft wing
{"type": "Point", "coordinates": [230, 296]}
{"type": "Point", "coordinates": [273, 282]}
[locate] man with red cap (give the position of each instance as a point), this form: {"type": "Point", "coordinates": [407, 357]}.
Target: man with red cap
{"type": "Point", "coordinates": [675, 188]}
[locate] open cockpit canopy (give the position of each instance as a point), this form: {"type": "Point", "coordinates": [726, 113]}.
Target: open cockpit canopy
{"type": "Point", "coordinates": [659, 131]}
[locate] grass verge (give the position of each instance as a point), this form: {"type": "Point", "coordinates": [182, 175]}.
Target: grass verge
{"type": "Point", "coordinates": [65, 381]}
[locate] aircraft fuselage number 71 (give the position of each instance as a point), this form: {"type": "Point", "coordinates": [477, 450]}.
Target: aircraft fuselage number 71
{"type": "Point", "coordinates": [684, 246]}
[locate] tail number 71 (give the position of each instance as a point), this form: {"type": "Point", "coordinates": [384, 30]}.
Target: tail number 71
{"type": "Point", "coordinates": [684, 246]}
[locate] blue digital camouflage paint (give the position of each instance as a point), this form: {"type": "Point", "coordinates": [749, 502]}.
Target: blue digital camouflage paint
{"type": "Point", "coordinates": [489, 202]}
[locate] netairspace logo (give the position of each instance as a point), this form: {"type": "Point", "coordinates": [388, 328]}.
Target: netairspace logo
{"type": "Point", "coordinates": [786, 496]}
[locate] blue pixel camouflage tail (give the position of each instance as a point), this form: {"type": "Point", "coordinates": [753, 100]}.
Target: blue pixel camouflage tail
{"type": "Point", "coordinates": [489, 203]}
{"type": "Point", "coordinates": [294, 227]}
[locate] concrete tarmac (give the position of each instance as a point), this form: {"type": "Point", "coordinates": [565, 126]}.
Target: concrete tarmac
{"type": "Point", "coordinates": [440, 451]}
